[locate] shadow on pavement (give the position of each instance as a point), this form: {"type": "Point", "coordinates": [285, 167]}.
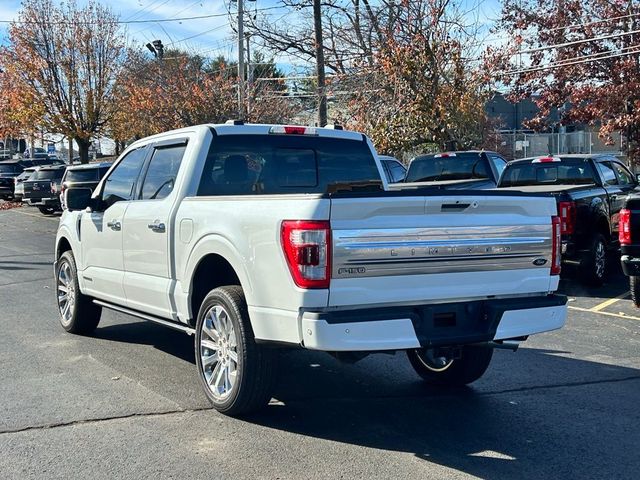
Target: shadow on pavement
{"type": "Point", "coordinates": [170, 341]}
{"type": "Point", "coordinates": [536, 413]}
{"type": "Point", "coordinates": [533, 429]}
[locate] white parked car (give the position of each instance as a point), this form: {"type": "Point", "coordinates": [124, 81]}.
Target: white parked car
{"type": "Point", "coordinates": [254, 237]}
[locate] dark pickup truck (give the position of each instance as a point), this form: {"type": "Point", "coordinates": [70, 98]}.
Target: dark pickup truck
{"type": "Point", "coordinates": [590, 191]}
{"type": "Point", "coordinates": [468, 170]}
{"type": "Point", "coordinates": [42, 190]}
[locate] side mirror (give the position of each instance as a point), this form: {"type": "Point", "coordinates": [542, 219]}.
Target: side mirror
{"type": "Point", "coordinates": [77, 198]}
{"type": "Point", "coordinates": [638, 177]}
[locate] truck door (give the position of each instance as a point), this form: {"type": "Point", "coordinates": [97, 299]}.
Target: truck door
{"type": "Point", "coordinates": [147, 232]}
{"type": "Point", "coordinates": [101, 231]}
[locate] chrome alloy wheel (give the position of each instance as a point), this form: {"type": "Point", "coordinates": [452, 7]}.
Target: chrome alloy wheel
{"type": "Point", "coordinates": [66, 293]}
{"type": "Point", "coordinates": [600, 259]}
{"type": "Point", "coordinates": [430, 361]}
{"type": "Point", "coordinates": [219, 352]}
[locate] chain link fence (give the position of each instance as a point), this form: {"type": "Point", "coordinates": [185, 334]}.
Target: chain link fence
{"type": "Point", "coordinates": [516, 144]}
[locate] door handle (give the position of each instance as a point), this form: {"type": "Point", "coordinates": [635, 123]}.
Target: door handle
{"type": "Point", "coordinates": [157, 227]}
{"type": "Point", "coordinates": [114, 225]}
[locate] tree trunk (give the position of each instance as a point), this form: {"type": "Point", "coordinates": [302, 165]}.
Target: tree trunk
{"type": "Point", "coordinates": [83, 149]}
{"type": "Point", "coordinates": [70, 151]}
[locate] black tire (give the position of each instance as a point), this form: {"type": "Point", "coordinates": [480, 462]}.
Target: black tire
{"type": "Point", "coordinates": [471, 365]}
{"type": "Point", "coordinates": [46, 210]}
{"type": "Point", "coordinates": [594, 269]}
{"type": "Point", "coordinates": [634, 286]}
{"type": "Point", "coordinates": [83, 315]}
{"type": "Point", "coordinates": [254, 374]}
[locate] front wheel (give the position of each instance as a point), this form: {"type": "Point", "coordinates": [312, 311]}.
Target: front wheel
{"type": "Point", "coordinates": [237, 374]}
{"type": "Point", "coordinates": [78, 313]}
{"type": "Point", "coordinates": [435, 370]}
{"type": "Point", "coordinates": [634, 286]}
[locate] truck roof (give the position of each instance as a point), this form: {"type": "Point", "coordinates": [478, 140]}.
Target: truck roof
{"type": "Point", "coordinates": [255, 129]}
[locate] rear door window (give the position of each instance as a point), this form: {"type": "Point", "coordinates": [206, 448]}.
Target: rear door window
{"type": "Point", "coordinates": [252, 165]}
{"type": "Point", "coordinates": [161, 173]}
{"type": "Point", "coordinates": [607, 172]}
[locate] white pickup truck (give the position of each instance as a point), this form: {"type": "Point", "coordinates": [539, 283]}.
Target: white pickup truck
{"type": "Point", "coordinates": [255, 237]}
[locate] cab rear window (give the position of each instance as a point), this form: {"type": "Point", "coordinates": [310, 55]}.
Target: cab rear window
{"type": "Point", "coordinates": [82, 175]}
{"type": "Point", "coordinates": [43, 174]}
{"type": "Point", "coordinates": [251, 164]}
{"type": "Point", "coordinates": [565, 172]}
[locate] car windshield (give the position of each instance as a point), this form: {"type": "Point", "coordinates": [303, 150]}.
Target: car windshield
{"type": "Point", "coordinates": [567, 171]}
{"type": "Point", "coordinates": [46, 174]}
{"type": "Point", "coordinates": [459, 166]}
{"type": "Point", "coordinates": [82, 175]}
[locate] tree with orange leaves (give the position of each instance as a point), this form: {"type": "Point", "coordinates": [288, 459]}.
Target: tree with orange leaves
{"type": "Point", "coordinates": [66, 59]}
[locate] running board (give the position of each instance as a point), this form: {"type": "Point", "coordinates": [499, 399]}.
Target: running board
{"type": "Point", "coordinates": [144, 316]}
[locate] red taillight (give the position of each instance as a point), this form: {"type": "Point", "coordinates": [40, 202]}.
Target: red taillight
{"type": "Point", "coordinates": [567, 212]}
{"type": "Point", "coordinates": [307, 249]}
{"type": "Point", "coordinates": [556, 246]}
{"type": "Point", "coordinates": [624, 227]}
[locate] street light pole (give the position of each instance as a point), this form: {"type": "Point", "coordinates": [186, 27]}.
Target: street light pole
{"type": "Point", "coordinates": [322, 92]}
{"type": "Point", "coordinates": [240, 59]}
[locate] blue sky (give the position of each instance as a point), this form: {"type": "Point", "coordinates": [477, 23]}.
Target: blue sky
{"type": "Point", "coordinates": [209, 36]}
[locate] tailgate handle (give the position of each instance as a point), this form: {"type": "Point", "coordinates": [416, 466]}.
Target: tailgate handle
{"type": "Point", "coordinates": [447, 207]}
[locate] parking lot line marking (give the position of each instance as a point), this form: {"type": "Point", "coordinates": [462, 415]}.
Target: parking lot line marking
{"type": "Point", "coordinates": [617, 315]}
{"type": "Point", "coordinates": [57, 219]}
{"type": "Point", "coordinates": [611, 301]}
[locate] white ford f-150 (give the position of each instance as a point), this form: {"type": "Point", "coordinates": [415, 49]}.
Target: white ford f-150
{"type": "Point", "coordinates": [258, 237]}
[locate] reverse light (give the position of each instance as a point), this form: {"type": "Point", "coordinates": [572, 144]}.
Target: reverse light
{"type": "Point", "coordinates": [624, 227]}
{"type": "Point", "coordinates": [293, 130]}
{"type": "Point", "coordinates": [306, 245]}
{"type": "Point", "coordinates": [567, 212]}
{"type": "Point", "coordinates": [556, 245]}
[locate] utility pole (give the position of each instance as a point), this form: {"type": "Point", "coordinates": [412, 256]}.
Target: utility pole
{"type": "Point", "coordinates": [322, 94]}
{"type": "Point", "coordinates": [249, 76]}
{"type": "Point", "coordinates": [240, 59]}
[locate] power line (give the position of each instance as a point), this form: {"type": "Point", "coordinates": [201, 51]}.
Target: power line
{"type": "Point", "coordinates": [578, 60]}
{"type": "Point", "coordinates": [128, 22]}
{"type": "Point", "coordinates": [577, 42]}
{"type": "Point", "coordinates": [197, 35]}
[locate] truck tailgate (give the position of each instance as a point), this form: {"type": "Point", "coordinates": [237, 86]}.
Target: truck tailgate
{"type": "Point", "coordinates": [405, 249]}
{"type": "Point", "coordinates": [37, 190]}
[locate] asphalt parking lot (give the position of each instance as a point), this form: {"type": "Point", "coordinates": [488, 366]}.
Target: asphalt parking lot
{"type": "Point", "coordinates": [126, 403]}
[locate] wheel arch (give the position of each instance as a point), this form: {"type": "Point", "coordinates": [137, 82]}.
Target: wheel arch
{"type": "Point", "coordinates": [213, 254]}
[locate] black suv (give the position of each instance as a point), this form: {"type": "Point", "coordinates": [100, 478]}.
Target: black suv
{"type": "Point", "coordinates": [83, 176]}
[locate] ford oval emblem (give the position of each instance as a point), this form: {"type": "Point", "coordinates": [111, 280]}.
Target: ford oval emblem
{"type": "Point", "coordinates": [538, 262]}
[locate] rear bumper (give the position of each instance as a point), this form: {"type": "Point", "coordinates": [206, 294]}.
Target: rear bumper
{"type": "Point", "coordinates": [630, 265]}
{"type": "Point", "coordinates": [450, 324]}
{"type": "Point", "coordinates": [42, 202]}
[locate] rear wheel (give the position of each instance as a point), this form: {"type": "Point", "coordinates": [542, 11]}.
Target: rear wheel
{"type": "Point", "coordinates": [237, 374]}
{"type": "Point", "coordinates": [78, 313]}
{"type": "Point", "coordinates": [437, 370]}
{"type": "Point", "coordinates": [595, 266]}
{"type": "Point", "coordinates": [634, 286]}
{"type": "Point", "coordinates": [46, 210]}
